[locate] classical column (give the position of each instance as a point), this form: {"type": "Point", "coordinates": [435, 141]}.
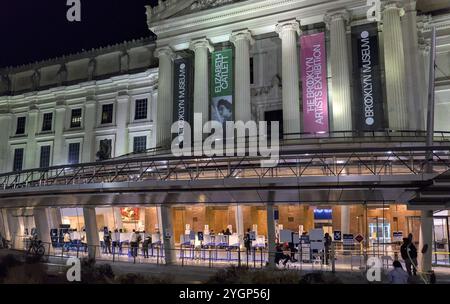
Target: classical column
{"type": "Point", "coordinates": [242, 41]}
{"type": "Point", "coordinates": [5, 126]}
{"type": "Point", "coordinates": [122, 115]}
{"type": "Point", "coordinates": [414, 81]}
{"type": "Point", "coordinates": [167, 234]}
{"type": "Point", "coordinates": [201, 48]}
{"type": "Point", "coordinates": [41, 222]}
{"type": "Point", "coordinates": [58, 144]}
{"type": "Point", "coordinates": [426, 238]}
{"type": "Point", "coordinates": [90, 223]}
{"type": "Point", "coordinates": [165, 99]}
{"type": "Point", "coordinates": [54, 216]}
{"type": "Point", "coordinates": [345, 220]}
{"type": "Point", "coordinates": [240, 219]}
{"type": "Point", "coordinates": [117, 218]}
{"type": "Point", "coordinates": [424, 47]}
{"type": "Point", "coordinates": [288, 32]}
{"type": "Point", "coordinates": [14, 228]}
{"type": "Point", "coordinates": [340, 70]}
{"type": "Point", "coordinates": [90, 120]}
{"type": "Point", "coordinates": [4, 228]}
{"type": "Point", "coordinates": [32, 129]}
{"type": "Point", "coordinates": [394, 58]}
{"type": "Point", "coordinates": [271, 231]}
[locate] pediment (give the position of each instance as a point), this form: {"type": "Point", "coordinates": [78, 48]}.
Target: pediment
{"type": "Point", "coordinates": [175, 8]}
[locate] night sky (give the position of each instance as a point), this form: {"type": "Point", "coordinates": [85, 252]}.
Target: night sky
{"type": "Point", "coordinates": [33, 30]}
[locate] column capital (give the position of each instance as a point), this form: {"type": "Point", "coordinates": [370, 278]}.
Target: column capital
{"type": "Point", "coordinates": [165, 51]}
{"type": "Point", "coordinates": [341, 14]}
{"type": "Point", "coordinates": [410, 5]}
{"type": "Point", "coordinates": [90, 101]}
{"type": "Point", "coordinates": [242, 35]}
{"type": "Point", "coordinates": [201, 43]}
{"type": "Point", "coordinates": [33, 109]}
{"type": "Point", "coordinates": [397, 5]}
{"type": "Point", "coordinates": [290, 25]}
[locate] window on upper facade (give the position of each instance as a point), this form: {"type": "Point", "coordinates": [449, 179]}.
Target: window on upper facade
{"type": "Point", "coordinates": [74, 153]}
{"type": "Point", "coordinates": [140, 144]}
{"type": "Point", "coordinates": [75, 120]}
{"type": "Point", "coordinates": [20, 129]}
{"type": "Point", "coordinates": [44, 161]}
{"type": "Point", "coordinates": [252, 71]}
{"type": "Point", "coordinates": [107, 113]}
{"type": "Point", "coordinates": [18, 159]}
{"type": "Point", "coordinates": [140, 110]}
{"type": "Point", "coordinates": [47, 122]}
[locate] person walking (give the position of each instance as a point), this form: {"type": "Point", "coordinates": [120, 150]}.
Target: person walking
{"type": "Point", "coordinates": [398, 275]}
{"type": "Point", "coordinates": [145, 244]}
{"type": "Point", "coordinates": [134, 243]}
{"type": "Point", "coordinates": [107, 240]}
{"type": "Point", "coordinates": [409, 255]}
{"type": "Point", "coordinates": [247, 243]}
{"type": "Point", "coordinates": [67, 241]}
{"type": "Point", "coordinates": [327, 242]}
{"type": "Point", "coordinates": [115, 240]}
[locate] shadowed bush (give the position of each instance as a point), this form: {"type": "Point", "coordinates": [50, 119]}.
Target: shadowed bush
{"type": "Point", "coordinates": [14, 271]}
{"type": "Point", "coordinates": [242, 275]}
{"type": "Point", "coordinates": [133, 278]}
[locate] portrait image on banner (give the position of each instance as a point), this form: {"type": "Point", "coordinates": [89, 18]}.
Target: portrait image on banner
{"type": "Point", "coordinates": [222, 86]}
{"type": "Point", "coordinates": [182, 95]}
{"type": "Point", "coordinates": [315, 86]}
{"type": "Point", "coordinates": [368, 93]}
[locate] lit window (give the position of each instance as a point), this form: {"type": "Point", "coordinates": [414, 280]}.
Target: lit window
{"type": "Point", "coordinates": [75, 120]}
{"type": "Point", "coordinates": [74, 153]}
{"type": "Point", "coordinates": [107, 113]}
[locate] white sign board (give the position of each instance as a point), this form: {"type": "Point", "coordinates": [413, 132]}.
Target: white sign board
{"type": "Point", "coordinates": [285, 236]}
{"type": "Point", "coordinates": [316, 239]}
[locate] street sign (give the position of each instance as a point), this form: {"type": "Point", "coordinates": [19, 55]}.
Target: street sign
{"type": "Point", "coordinates": [359, 238]}
{"type": "Point", "coordinates": [398, 236]}
{"type": "Point", "coordinates": [348, 239]}
{"type": "Point", "coordinates": [200, 235]}
{"type": "Point", "coordinates": [337, 235]}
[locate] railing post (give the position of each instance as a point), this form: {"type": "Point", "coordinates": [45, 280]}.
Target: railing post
{"type": "Point", "coordinates": [333, 258]}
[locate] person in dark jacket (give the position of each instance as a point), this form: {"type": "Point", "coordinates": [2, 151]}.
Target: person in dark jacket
{"type": "Point", "coordinates": [327, 242]}
{"type": "Point", "coordinates": [409, 254]}
{"type": "Point", "coordinates": [248, 241]}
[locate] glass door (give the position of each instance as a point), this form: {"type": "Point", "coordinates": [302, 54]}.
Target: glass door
{"type": "Point", "coordinates": [441, 254]}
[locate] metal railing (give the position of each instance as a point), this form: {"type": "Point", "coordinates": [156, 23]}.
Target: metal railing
{"type": "Point", "coordinates": [297, 163]}
{"type": "Point", "coordinates": [340, 257]}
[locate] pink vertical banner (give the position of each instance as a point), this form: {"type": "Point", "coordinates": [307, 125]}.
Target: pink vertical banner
{"type": "Point", "coordinates": [314, 79]}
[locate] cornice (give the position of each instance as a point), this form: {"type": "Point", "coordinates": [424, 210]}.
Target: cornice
{"type": "Point", "coordinates": [234, 14]}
